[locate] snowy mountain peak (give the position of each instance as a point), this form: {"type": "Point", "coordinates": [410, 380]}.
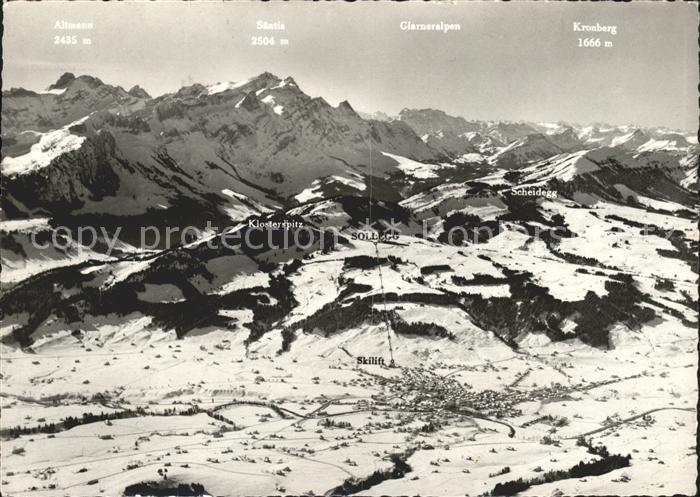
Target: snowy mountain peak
{"type": "Point", "coordinates": [138, 92]}
{"type": "Point", "coordinates": [258, 83]}
{"type": "Point", "coordinates": [62, 82]}
{"type": "Point", "coordinates": [345, 105]}
{"type": "Point", "coordinates": [631, 140]}
{"type": "Point", "coordinates": [289, 81]}
{"type": "Point", "coordinates": [566, 139]}
{"type": "Point", "coordinates": [266, 76]}
{"type": "Point", "coordinates": [84, 81]}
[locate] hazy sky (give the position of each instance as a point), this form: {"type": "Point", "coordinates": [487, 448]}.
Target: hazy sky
{"type": "Point", "coordinates": [509, 61]}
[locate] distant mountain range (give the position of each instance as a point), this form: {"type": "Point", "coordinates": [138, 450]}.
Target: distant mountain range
{"type": "Point", "coordinates": [86, 153]}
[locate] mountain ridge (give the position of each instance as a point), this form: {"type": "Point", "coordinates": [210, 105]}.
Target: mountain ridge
{"type": "Point", "coordinates": [263, 151]}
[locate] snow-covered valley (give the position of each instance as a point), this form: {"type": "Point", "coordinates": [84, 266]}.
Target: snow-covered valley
{"type": "Point", "coordinates": [442, 327]}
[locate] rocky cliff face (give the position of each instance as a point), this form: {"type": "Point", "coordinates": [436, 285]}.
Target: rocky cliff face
{"type": "Point", "coordinates": [67, 100]}
{"type": "Point", "coordinates": [81, 174]}
{"type": "Point", "coordinates": [263, 138]}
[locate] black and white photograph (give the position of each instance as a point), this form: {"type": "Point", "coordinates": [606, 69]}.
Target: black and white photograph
{"type": "Point", "coordinates": [349, 249]}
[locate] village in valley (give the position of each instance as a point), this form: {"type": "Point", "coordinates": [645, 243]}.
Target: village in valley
{"type": "Point", "coordinates": [264, 421]}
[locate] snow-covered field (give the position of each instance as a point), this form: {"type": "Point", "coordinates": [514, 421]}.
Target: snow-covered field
{"type": "Point", "coordinates": [261, 450]}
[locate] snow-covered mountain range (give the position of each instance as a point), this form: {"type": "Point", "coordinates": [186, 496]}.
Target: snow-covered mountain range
{"type": "Point", "coordinates": [86, 152]}
{"type": "Point", "coordinates": [423, 238]}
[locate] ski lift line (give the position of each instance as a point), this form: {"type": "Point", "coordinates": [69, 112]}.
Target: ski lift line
{"type": "Point", "coordinates": [389, 325]}
{"type": "Point", "coordinates": [369, 207]}
{"type": "Point", "coordinates": [379, 267]}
